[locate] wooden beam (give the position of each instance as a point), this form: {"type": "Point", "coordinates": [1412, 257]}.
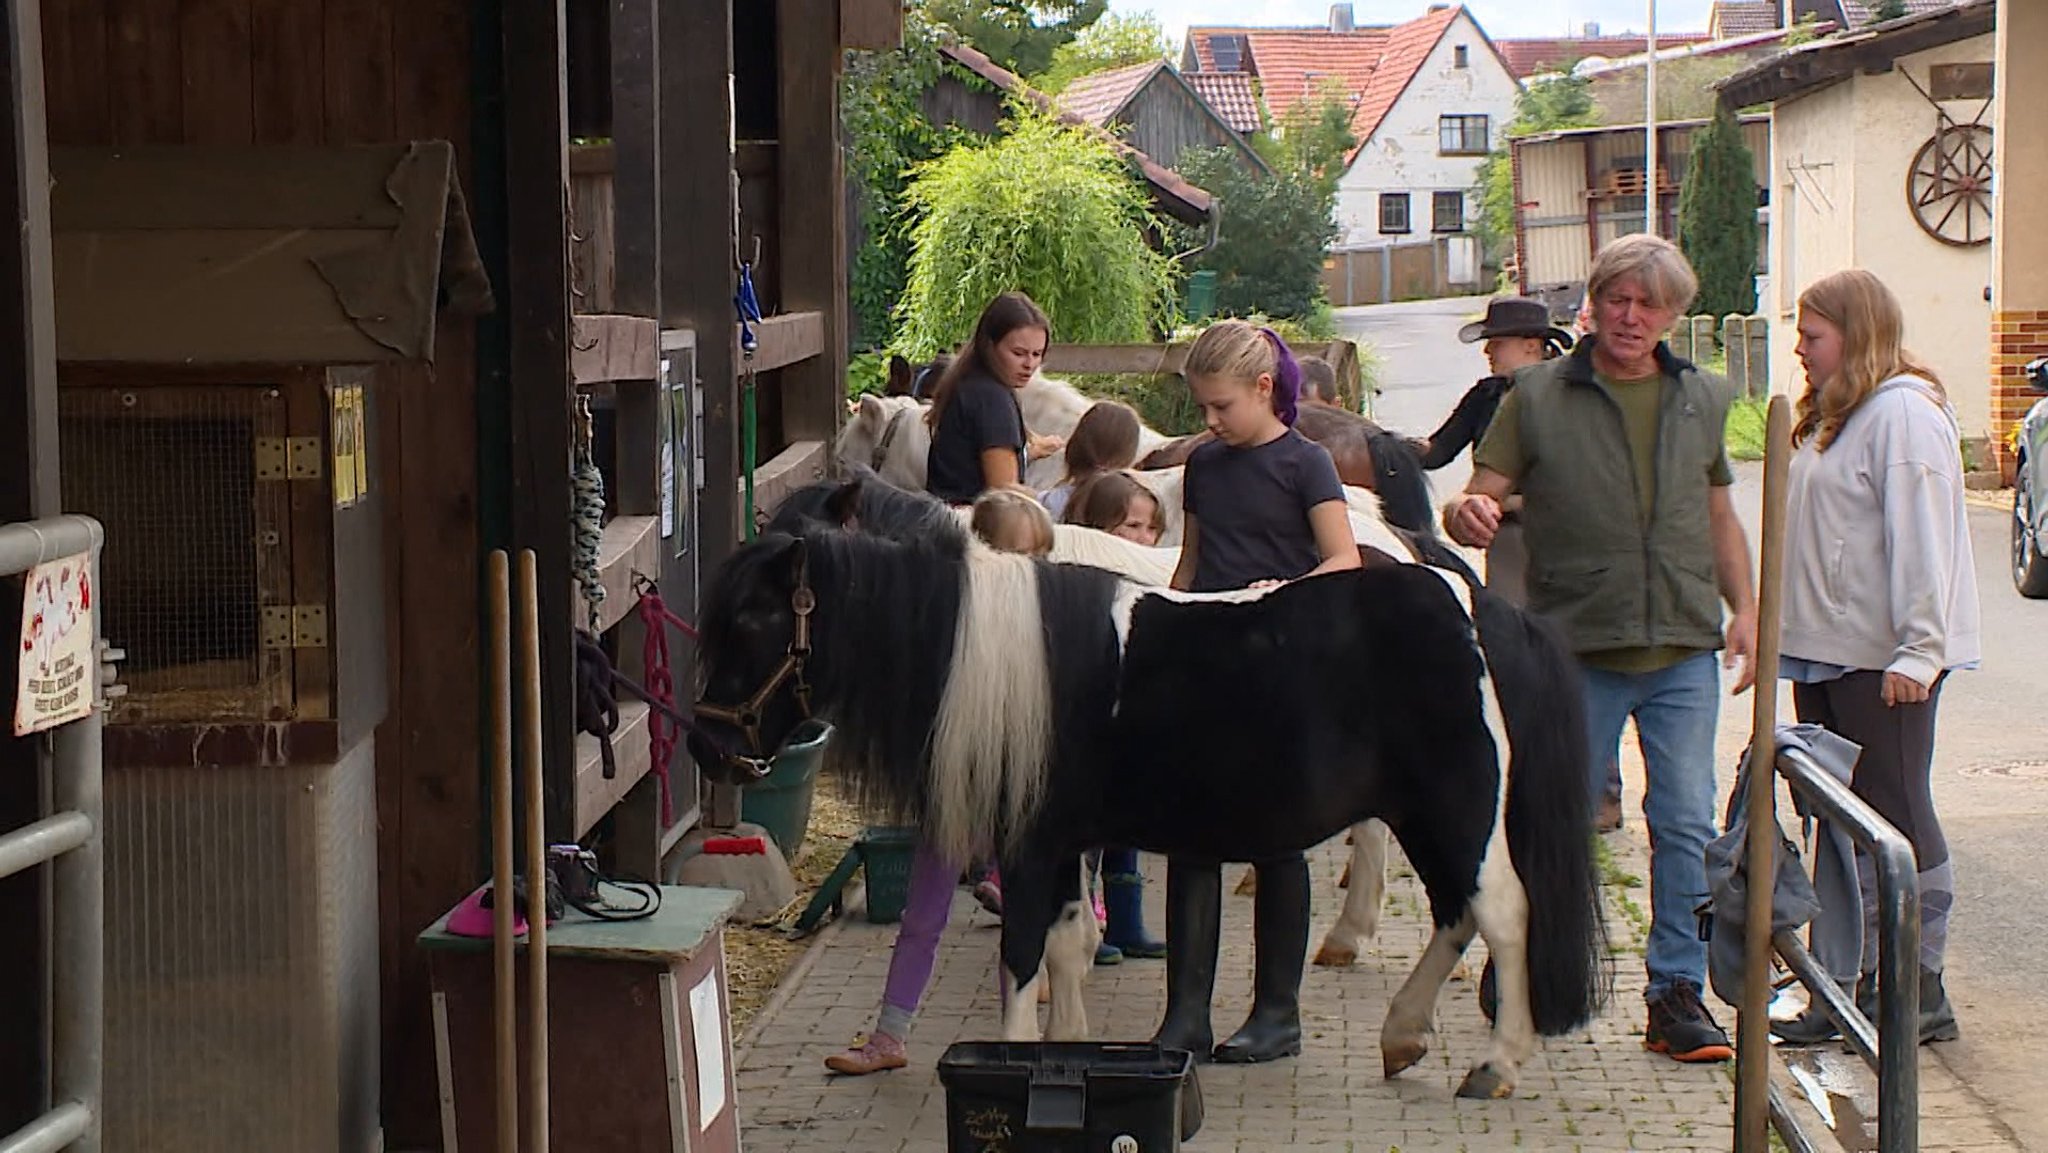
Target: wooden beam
{"type": "Point", "coordinates": [595, 794]}
{"type": "Point", "coordinates": [632, 544]}
{"type": "Point", "coordinates": [790, 339]}
{"type": "Point", "coordinates": [699, 204]}
{"type": "Point", "coordinates": [1123, 359]}
{"type": "Point", "coordinates": [537, 284]}
{"type": "Point", "coordinates": [870, 25]}
{"type": "Point", "coordinates": [794, 467]}
{"type": "Point", "coordinates": [636, 167]}
{"type": "Point", "coordinates": [812, 186]}
{"type": "Point", "coordinates": [28, 489]}
{"type": "Point", "coordinates": [605, 348]}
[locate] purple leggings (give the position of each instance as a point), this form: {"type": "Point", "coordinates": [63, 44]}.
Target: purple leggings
{"type": "Point", "coordinates": [926, 910]}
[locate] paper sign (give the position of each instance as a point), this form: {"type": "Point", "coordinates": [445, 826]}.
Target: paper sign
{"type": "Point", "coordinates": [59, 677]}
{"type": "Point", "coordinates": [708, 1028]}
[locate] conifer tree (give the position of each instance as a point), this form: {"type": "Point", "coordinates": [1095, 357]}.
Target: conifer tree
{"type": "Point", "coordinates": [1717, 217]}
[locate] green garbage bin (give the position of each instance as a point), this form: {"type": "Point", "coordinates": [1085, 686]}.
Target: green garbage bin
{"type": "Point", "coordinates": [781, 801]}
{"type": "Point", "coordinates": [1201, 300]}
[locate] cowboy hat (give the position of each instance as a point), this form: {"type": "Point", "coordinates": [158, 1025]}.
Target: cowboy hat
{"type": "Point", "coordinates": [1515, 316]}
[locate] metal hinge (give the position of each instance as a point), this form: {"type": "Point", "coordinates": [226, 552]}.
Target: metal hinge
{"type": "Point", "coordinates": [294, 627]}
{"type": "Point", "coordinates": [289, 458]}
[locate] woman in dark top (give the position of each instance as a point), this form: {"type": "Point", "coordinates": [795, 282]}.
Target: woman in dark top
{"type": "Point", "coordinates": [978, 437]}
{"type": "Point", "coordinates": [1517, 332]}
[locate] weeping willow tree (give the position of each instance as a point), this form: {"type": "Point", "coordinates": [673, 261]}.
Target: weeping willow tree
{"type": "Point", "coordinates": [1047, 209]}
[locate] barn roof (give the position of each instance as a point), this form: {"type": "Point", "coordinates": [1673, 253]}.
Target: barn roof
{"type": "Point", "coordinates": [1175, 195]}
{"type": "Point", "coordinates": [1099, 96]}
{"type": "Point", "coordinates": [1528, 57]}
{"type": "Point", "coordinates": [1818, 64]}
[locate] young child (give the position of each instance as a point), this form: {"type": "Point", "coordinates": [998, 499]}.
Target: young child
{"type": "Point", "coordinates": [1263, 506]}
{"type": "Point", "coordinates": [1119, 505]}
{"type": "Point", "coordinates": [1106, 438]}
{"type": "Point", "coordinates": [1010, 519]}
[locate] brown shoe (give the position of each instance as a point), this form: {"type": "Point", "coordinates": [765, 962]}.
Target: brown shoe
{"type": "Point", "coordinates": [1607, 818]}
{"type": "Point", "coordinates": [870, 1055]}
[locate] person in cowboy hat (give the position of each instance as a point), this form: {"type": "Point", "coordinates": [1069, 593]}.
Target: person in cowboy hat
{"type": "Point", "coordinates": [1517, 332]}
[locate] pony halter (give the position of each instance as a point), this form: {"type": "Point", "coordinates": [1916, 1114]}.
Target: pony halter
{"type": "Point", "coordinates": [746, 717]}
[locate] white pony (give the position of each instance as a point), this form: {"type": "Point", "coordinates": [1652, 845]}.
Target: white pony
{"type": "Point", "coordinates": [888, 433]}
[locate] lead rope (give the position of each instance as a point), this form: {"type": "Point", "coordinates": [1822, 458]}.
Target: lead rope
{"type": "Point", "coordinates": [586, 485]}
{"type": "Point", "coordinates": [749, 308]}
{"type": "Point", "coordinates": [662, 733]}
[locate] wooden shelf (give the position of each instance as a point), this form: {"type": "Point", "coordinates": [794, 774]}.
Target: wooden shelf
{"type": "Point", "coordinates": [794, 467]}
{"type": "Point", "coordinates": [606, 347]}
{"type": "Point", "coordinates": [785, 340]}
{"type": "Point", "coordinates": [595, 796]}
{"type": "Point", "coordinates": [631, 544]}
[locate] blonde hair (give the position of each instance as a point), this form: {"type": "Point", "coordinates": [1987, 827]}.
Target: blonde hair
{"type": "Point", "coordinates": [1873, 330]}
{"type": "Point", "coordinates": [1653, 263]}
{"type": "Point", "coordinates": [999, 512]}
{"type": "Point", "coordinates": [1240, 351]}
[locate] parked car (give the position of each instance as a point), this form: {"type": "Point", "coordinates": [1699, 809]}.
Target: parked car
{"type": "Point", "coordinates": [2030, 492]}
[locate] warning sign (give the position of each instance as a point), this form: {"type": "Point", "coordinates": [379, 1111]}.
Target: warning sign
{"type": "Point", "coordinates": [58, 671]}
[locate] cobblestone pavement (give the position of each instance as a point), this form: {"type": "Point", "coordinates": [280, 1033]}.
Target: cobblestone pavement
{"type": "Point", "coordinates": [1596, 1090]}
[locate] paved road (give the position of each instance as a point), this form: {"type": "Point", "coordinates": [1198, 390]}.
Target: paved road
{"type": "Point", "coordinates": [1991, 766]}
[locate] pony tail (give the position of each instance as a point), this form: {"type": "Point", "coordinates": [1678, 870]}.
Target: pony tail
{"type": "Point", "coordinates": [1286, 380]}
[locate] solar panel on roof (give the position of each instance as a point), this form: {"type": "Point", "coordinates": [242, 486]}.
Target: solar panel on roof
{"type": "Point", "coordinates": [1228, 52]}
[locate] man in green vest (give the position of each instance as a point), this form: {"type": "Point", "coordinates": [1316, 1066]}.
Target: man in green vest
{"type": "Point", "coordinates": [1617, 450]}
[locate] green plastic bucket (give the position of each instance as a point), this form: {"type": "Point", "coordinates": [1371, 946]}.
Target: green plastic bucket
{"type": "Point", "coordinates": [886, 853]}
{"type": "Point", "coordinates": [781, 801]}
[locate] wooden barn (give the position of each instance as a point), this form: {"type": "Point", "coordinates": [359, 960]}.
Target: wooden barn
{"type": "Point", "coordinates": [1154, 109]}
{"type": "Point", "coordinates": [317, 302]}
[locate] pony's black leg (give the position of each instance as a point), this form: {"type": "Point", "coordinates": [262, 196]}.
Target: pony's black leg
{"type": "Point", "coordinates": [1194, 912]}
{"type": "Point", "coordinates": [1045, 937]}
{"type": "Point", "coordinates": [1280, 937]}
{"type": "Point", "coordinates": [1069, 952]}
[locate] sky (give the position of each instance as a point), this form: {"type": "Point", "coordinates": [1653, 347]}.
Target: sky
{"type": "Point", "coordinates": [1500, 18]}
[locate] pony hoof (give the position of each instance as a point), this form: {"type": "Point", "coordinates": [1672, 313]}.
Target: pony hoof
{"type": "Point", "coordinates": [1332, 956]}
{"type": "Point", "coordinates": [1398, 1056]}
{"type": "Point", "coordinates": [1483, 1084]}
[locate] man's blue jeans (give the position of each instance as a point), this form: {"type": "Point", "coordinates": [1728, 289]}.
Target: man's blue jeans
{"type": "Point", "coordinates": [1675, 710]}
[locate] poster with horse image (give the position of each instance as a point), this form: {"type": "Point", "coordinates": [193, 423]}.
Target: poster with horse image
{"type": "Point", "coordinates": [57, 680]}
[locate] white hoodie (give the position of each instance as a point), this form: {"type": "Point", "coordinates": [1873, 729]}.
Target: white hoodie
{"type": "Point", "coordinates": [1878, 572]}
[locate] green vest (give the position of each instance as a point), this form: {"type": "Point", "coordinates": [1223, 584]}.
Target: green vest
{"type": "Point", "coordinates": [1607, 578]}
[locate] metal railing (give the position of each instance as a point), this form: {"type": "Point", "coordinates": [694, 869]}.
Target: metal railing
{"type": "Point", "coordinates": [70, 841]}
{"type": "Point", "coordinates": [1891, 1045]}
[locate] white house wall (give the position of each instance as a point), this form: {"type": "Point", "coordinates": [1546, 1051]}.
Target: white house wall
{"type": "Point", "coordinates": [1402, 155]}
{"type": "Point", "coordinates": [1838, 200]}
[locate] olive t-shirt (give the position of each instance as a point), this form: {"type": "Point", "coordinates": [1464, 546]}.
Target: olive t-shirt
{"type": "Point", "coordinates": [1641, 403]}
{"type": "Point", "coordinates": [1251, 509]}
{"type": "Point", "coordinates": [981, 415]}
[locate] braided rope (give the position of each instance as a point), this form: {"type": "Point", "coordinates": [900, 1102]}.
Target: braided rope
{"type": "Point", "coordinates": [662, 732]}
{"type": "Point", "coordinates": [586, 486]}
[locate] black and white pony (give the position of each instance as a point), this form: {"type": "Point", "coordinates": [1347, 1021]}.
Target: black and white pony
{"type": "Point", "coordinates": [1051, 708]}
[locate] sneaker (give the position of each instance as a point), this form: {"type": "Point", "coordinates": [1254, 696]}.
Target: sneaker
{"type": "Point", "coordinates": [869, 1055]}
{"type": "Point", "coordinates": [1681, 1028]}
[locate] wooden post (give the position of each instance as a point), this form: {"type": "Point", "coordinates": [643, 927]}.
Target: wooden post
{"type": "Point", "coordinates": [812, 184]}
{"type": "Point", "coordinates": [28, 489]}
{"type": "Point", "coordinates": [506, 1002]}
{"type": "Point", "coordinates": [1752, 1026]}
{"type": "Point", "coordinates": [536, 859]}
{"type": "Point", "coordinates": [537, 285]}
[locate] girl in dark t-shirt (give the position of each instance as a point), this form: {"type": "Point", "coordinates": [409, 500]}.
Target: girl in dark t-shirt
{"type": "Point", "coordinates": [978, 437]}
{"type": "Point", "coordinates": [1263, 506]}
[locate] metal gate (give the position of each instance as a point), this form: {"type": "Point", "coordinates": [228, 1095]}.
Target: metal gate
{"type": "Point", "coordinates": [69, 839]}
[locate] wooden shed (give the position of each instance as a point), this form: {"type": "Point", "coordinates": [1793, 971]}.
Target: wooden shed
{"type": "Point", "coordinates": [310, 299]}
{"type": "Point", "coordinates": [1154, 109]}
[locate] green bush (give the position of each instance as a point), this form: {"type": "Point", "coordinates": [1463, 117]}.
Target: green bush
{"type": "Point", "coordinates": [1745, 432]}
{"type": "Point", "coordinates": [1049, 210]}
{"type": "Point", "coordinates": [1717, 218]}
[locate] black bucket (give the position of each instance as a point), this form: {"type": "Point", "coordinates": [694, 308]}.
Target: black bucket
{"type": "Point", "coordinates": [1069, 1097]}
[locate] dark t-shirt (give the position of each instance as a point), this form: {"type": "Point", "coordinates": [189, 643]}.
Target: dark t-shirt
{"type": "Point", "coordinates": [1251, 509]}
{"type": "Point", "coordinates": [981, 415]}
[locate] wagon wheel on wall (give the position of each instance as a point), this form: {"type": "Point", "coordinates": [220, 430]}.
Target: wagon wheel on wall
{"type": "Point", "coordinates": [1948, 186]}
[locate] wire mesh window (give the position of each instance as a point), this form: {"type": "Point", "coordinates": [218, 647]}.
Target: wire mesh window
{"type": "Point", "coordinates": [1462, 135]}
{"type": "Point", "coordinates": [196, 543]}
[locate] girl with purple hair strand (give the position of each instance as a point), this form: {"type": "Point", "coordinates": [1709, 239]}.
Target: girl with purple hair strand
{"type": "Point", "coordinates": [1263, 506]}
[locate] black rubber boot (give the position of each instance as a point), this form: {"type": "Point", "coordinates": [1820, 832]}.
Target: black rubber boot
{"type": "Point", "coordinates": [1937, 1016]}
{"type": "Point", "coordinates": [1194, 912]}
{"type": "Point", "coordinates": [1280, 940]}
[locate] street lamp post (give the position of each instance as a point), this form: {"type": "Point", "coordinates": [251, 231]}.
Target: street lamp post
{"type": "Point", "coordinates": [1651, 202]}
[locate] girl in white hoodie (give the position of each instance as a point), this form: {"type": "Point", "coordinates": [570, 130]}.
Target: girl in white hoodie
{"type": "Point", "coordinates": [1880, 591]}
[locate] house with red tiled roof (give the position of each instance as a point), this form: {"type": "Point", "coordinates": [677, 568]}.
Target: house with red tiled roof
{"type": "Point", "coordinates": [1538, 55]}
{"type": "Point", "coordinates": [1153, 109]}
{"type": "Point", "coordinates": [1234, 97]}
{"type": "Point", "coordinates": [1428, 98]}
